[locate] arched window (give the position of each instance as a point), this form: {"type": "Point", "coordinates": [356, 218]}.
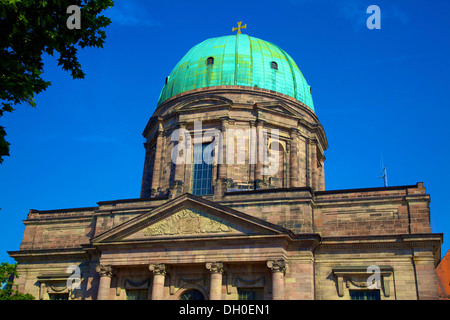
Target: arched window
{"type": "Point", "coordinates": [192, 294]}
{"type": "Point", "coordinates": [274, 65]}
{"type": "Point", "coordinates": [210, 61]}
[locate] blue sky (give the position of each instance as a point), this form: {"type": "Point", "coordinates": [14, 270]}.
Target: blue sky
{"type": "Point", "coordinates": [380, 94]}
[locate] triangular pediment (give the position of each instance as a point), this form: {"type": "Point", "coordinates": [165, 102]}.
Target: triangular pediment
{"type": "Point", "coordinates": [278, 107]}
{"type": "Point", "coordinates": [204, 101]}
{"type": "Point", "coordinates": [187, 217]}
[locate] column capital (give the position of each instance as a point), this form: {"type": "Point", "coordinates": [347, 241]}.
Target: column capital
{"type": "Point", "coordinates": [104, 270]}
{"type": "Point", "coordinates": [288, 146]}
{"type": "Point", "coordinates": [225, 120]}
{"type": "Point", "coordinates": [294, 132]}
{"type": "Point", "coordinates": [158, 268]}
{"type": "Point", "coordinates": [277, 266]}
{"type": "Point", "coordinates": [215, 267]}
{"type": "Point", "coordinates": [260, 123]}
{"type": "Point", "coordinates": [181, 125]}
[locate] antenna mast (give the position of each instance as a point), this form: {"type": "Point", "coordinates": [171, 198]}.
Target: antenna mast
{"type": "Point", "coordinates": [383, 172]}
{"type": "Point", "coordinates": [384, 176]}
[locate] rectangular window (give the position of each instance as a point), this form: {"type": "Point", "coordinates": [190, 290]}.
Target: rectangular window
{"type": "Point", "coordinates": [58, 296]}
{"type": "Point", "coordinates": [365, 295]}
{"type": "Point", "coordinates": [201, 173]}
{"type": "Point", "coordinates": [250, 293]}
{"type": "Point", "coordinates": [137, 294]}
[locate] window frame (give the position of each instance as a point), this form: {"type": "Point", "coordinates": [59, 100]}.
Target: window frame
{"type": "Point", "coordinates": [274, 65]}
{"type": "Point", "coordinates": [209, 61]}
{"type": "Point", "coordinates": [364, 293]}
{"type": "Point", "coordinates": [199, 170]}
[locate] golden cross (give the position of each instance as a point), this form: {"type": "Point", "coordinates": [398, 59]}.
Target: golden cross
{"type": "Point", "coordinates": [239, 27]}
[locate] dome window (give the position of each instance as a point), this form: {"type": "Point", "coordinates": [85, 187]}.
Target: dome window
{"type": "Point", "coordinates": [274, 65]}
{"type": "Point", "coordinates": [210, 61]}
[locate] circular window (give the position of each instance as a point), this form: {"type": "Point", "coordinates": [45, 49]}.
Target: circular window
{"type": "Point", "coordinates": [192, 294]}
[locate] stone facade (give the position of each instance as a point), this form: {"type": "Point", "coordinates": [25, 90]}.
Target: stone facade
{"type": "Point", "coordinates": [255, 236]}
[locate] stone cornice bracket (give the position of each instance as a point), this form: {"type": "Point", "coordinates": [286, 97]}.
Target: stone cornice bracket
{"type": "Point", "coordinates": [215, 267]}
{"type": "Point", "coordinates": [277, 265]}
{"type": "Point", "coordinates": [104, 271]}
{"type": "Point", "coordinates": [158, 268]}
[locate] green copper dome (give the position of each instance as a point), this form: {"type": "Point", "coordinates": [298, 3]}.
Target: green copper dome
{"type": "Point", "coordinates": [238, 60]}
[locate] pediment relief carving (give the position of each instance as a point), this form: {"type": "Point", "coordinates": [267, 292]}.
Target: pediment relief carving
{"type": "Point", "coordinates": [190, 221]}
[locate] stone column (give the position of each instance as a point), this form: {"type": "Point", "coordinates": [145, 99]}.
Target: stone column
{"type": "Point", "coordinates": [157, 164]}
{"type": "Point", "coordinates": [222, 160]}
{"type": "Point", "coordinates": [309, 163]}
{"type": "Point", "coordinates": [252, 154]}
{"type": "Point", "coordinates": [293, 161]}
{"type": "Point", "coordinates": [313, 165]}
{"type": "Point", "coordinates": [215, 291]}
{"type": "Point", "coordinates": [302, 161]}
{"type": "Point", "coordinates": [159, 275]}
{"type": "Point", "coordinates": [278, 268]}
{"type": "Point", "coordinates": [105, 282]}
{"type": "Point", "coordinates": [322, 174]}
{"type": "Point", "coordinates": [146, 183]}
{"type": "Point", "coordinates": [261, 148]}
{"type": "Point", "coordinates": [177, 185]}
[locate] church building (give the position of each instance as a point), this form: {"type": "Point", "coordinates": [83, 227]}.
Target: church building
{"type": "Point", "coordinates": [233, 203]}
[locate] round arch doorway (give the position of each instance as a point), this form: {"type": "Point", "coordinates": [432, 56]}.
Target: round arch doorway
{"type": "Point", "coordinates": [191, 294]}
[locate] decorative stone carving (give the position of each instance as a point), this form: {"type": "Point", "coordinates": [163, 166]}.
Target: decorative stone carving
{"type": "Point", "coordinates": [277, 265]}
{"type": "Point", "coordinates": [189, 221]}
{"type": "Point", "coordinates": [215, 267]}
{"type": "Point", "coordinates": [55, 283]}
{"type": "Point", "coordinates": [359, 284]}
{"type": "Point", "coordinates": [104, 271]}
{"type": "Point", "coordinates": [158, 269]}
{"type": "Point", "coordinates": [250, 282]}
{"type": "Point", "coordinates": [357, 277]}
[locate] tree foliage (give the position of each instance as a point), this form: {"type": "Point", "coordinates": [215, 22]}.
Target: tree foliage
{"type": "Point", "coordinates": [7, 274]}
{"type": "Point", "coordinates": [30, 28]}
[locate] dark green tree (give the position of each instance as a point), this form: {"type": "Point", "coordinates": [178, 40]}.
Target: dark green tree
{"type": "Point", "coordinates": [9, 292]}
{"type": "Point", "coordinates": [30, 28]}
